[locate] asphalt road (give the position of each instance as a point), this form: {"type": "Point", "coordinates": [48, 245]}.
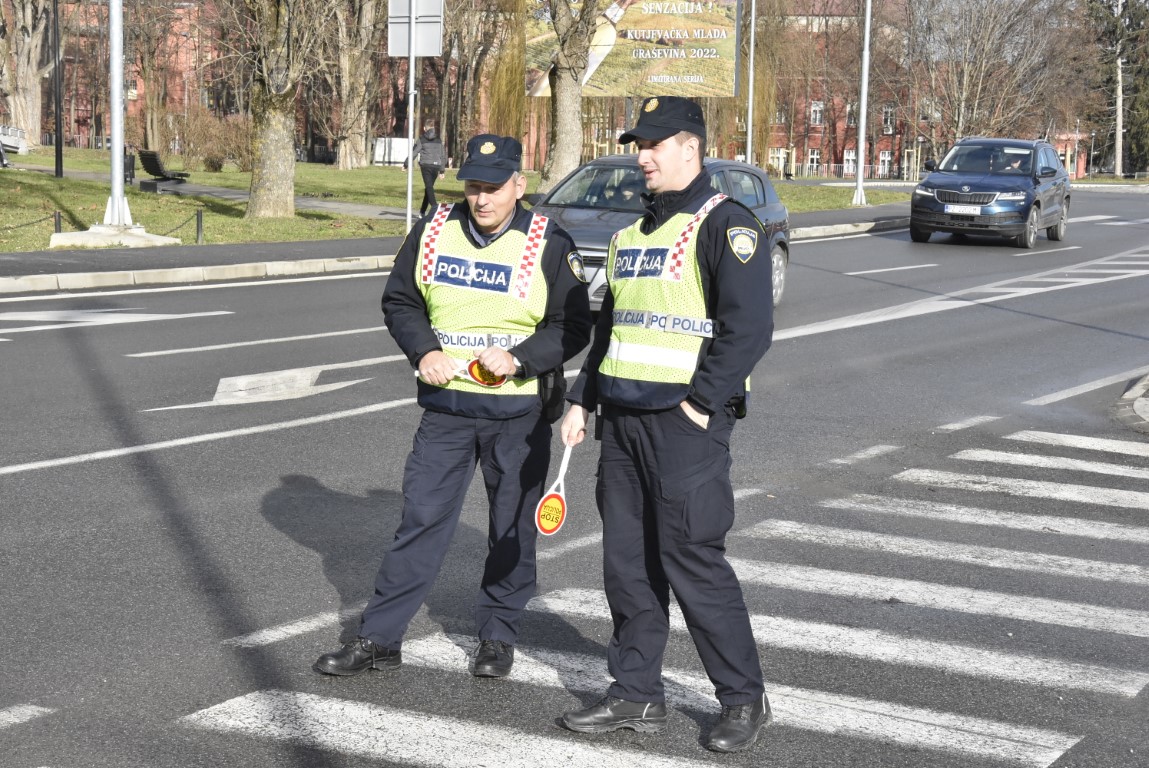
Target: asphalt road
{"type": "Point", "coordinates": [942, 527]}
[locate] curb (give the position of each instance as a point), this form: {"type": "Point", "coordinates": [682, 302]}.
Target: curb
{"type": "Point", "coordinates": [1132, 408]}
{"type": "Point", "coordinates": [74, 281]}
{"type": "Point", "coordinates": [181, 275]}
{"type": "Point", "coordinates": [884, 225]}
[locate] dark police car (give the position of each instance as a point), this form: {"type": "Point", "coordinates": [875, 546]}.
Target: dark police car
{"type": "Point", "coordinates": [601, 197]}
{"type": "Point", "coordinates": [1006, 187]}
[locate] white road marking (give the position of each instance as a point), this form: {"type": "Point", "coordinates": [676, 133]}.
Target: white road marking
{"type": "Point", "coordinates": [832, 238]}
{"type": "Point", "coordinates": [1065, 394]}
{"type": "Point", "coordinates": [1051, 462]}
{"type": "Point", "coordinates": [805, 709]}
{"type": "Point", "coordinates": [1127, 447]}
{"type": "Point", "coordinates": [21, 713]}
{"type": "Point", "coordinates": [1086, 494]}
{"type": "Point", "coordinates": [887, 648]}
{"type": "Point", "coordinates": [181, 442]}
{"type": "Point", "coordinates": [404, 737]}
{"type": "Point", "coordinates": [550, 553]}
{"type": "Point", "coordinates": [292, 629]}
{"type": "Point", "coordinates": [1129, 223]}
{"type": "Point", "coordinates": [257, 342]}
{"type": "Point", "coordinates": [973, 421]}
{"type": "Point", "coordinates": [983, 294]}
{"type": "Point", "coordinates": [868, 453]}
{"type": "Point", "coordinates": [888, 269]}
{"type": "Point", "coordinates": [953, 513]}
{"type": "Point", "coordinates": [290, 384]}
{"type": "Point", "coordinates": [968, 554]}
{"type": "Point", "coordinates": [1084, 219]}
{"type": "Point", "coordinates": [196, 287]}
{"type": "Point", "coordinates": [1044, 251]}
{"type": "Point", "coordinates": [51, 321]}
{"type": "Point", "coordinates": [942, 597]}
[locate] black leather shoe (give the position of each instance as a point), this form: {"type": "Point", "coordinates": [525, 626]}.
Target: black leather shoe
{"type": "Point", "coordinates": [610, 714]}
{"type": "Point", "coordinates": [739, 726]}
{"type": "Point", "coordinates": [493, 658]}
{"type": "Point", "coordinates": [357, 656]}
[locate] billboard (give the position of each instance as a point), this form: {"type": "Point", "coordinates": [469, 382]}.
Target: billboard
{"type": "Point", "coordinates": [644, 48]}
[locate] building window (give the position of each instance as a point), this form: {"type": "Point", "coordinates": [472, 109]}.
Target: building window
{"type": "Point", "coordinates": [850, 162]}
{"type": "Point", "coordinates": [888, 119]}
{"type": "Point", "coordinates": [851, 115]}
{"type": "Point", "coordinates": [777, 159]}
{"type": "Point", "coordinates": [779, 117]}
{"type": "Point", "coordinates": [885, 162]}
{"type": "Point", "coordinates": [813, 160]}
{"type": "Point", "coordinates": [816, 108]}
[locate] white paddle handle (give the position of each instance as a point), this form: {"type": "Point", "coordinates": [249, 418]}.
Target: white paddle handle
{"type": "Point", "coordinates": [558, 485]}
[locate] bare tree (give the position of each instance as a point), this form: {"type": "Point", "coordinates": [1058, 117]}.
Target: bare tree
{"type": "Point", "coordinates": [574, 24]}
{"type": "Point", "coordinates": [282, 38]}
{"type": "Point", "coordinates": [346, 63]}
{"type": "Point", "coordinates": [24, 32]}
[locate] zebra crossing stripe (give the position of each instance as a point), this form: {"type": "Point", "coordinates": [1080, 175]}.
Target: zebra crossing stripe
{"type": "Point", "coordinates": [805, 709]}
{"type": "Point", "coordinates": [1127, 447]}
{"type": "Point", "coordinates": [301, 627]}
{"type": "Point", "coordinates": [942, 597]}
{"type": "Point", "coordinates": [405, 737]}
{"type": "Point", "coordinates": [887, 648]}
{"type": "Point", "coordinates": [955, 513]}
{"type": "Point", "coordinates": [969, 554]}
{"type": "Point", "coordinates": [966, 423]}
{"type": "Point", "coordinates": [1038, 489]}
{"type": "Point", "coordinates": [1051, 462]}
{"type": "Point", "coordinates": [21, 713]}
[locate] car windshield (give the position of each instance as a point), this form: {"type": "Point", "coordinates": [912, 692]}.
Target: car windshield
{"type": "Point", "coordinates": [612, 187]}
{"type": "Point", "coordinates": [987, 158]}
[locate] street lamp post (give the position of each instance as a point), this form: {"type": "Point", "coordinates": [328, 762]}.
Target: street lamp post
{"type": "Point", "coordinates": [859, 190]}
{"type": "Point", "coordinates": [57, 89]}
{"type": "Point", "coordinates": [1089, 165]}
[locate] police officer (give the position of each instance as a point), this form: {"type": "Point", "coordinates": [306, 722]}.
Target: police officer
{"type": "Point", "coordinates": [687, 317]}
{"type": "Point", "coordinates": [487, 300]}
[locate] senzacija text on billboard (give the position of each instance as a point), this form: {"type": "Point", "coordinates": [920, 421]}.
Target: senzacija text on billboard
{"type": "Point", "coordinates": [644, 48]}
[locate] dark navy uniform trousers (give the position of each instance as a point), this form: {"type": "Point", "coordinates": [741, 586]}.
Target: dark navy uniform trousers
{"type": "Point", "coordinates": [514, 455]}
{"type": "Point", "coordinates": [666, 502]}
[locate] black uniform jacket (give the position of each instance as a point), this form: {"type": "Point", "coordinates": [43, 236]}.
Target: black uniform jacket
{"type": "Point", "coordinates": [563, 332]}
{"type": "Point", "coordinates": [738, 298]}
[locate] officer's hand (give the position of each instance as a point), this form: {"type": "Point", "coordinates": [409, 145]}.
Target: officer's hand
{"type": "Point", "coordinates": [437, 368]}
{"type": "Point", "coordinates": [498, 361]}
{"type": "Point", "coordinates": [573, 428]}
{"type": "Point", "coordinates": [695, 415]}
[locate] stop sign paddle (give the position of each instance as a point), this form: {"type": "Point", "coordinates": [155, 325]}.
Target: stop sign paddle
{"type": "Point", "coordinates": [552, 508]}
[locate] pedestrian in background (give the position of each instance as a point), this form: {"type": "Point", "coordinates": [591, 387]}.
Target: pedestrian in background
{"type": "Point", "coordinates": [432, 158]}
{"type": "Point", "coordinates": [487, 300]}
{"type": "Point", "coordinates": [687, 317]}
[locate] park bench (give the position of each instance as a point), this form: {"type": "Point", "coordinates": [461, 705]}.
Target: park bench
{"type": "Point", "coordinates": [151, 162]}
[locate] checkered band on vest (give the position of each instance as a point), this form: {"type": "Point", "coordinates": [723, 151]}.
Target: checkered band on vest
{"type": "Point", "coordinates": [678, 253]}
{"type": "Point", "coordinates": [530, 254]}
{"type": "Point", "coordinates": [430, 239]}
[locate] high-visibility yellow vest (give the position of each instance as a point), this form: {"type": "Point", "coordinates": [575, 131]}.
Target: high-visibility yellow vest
{"type": "Point", "coordinates": [660, 317]}
{"type": "Point", "coordinates": [481, 297]}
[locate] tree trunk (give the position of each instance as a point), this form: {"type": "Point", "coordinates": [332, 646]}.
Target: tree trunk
{"type": "Point", "coordinates": [26, 41]}
{"type": "Point", "coordinates": [565, 151]}
{"type": "Point", "coordinates": [273, 174]}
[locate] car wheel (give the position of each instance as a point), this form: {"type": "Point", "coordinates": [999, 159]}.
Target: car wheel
{"type": "Point", "coordinates": [1057, 231]}
{"type": "Point", "coordinates": [919, 235]}
{"type": "Point", "coordinates": [1028, 238]}
{"type": "Point", "coordinates": [777, 273]}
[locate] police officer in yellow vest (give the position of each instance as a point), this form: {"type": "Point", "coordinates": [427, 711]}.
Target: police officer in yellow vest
{"type": "Point", "coordinates": [487, 300]}
{"type": "Point", "coordinates": [687, 317]}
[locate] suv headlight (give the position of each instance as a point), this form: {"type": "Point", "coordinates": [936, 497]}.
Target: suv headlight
{"type": "Point", "coordinates": [1019, 195]}
{"type": "Point", "coordinates": [923, 190]}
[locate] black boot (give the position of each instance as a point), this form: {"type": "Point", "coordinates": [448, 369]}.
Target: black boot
{"type": "Point", "coordinates": [493, 658]}
{"type": "Point", "coordinates": [357, 656]}
{"type": "Point", "coordinates": [610, 714]}
{"type": "Point", "coordinates": [739, 726]}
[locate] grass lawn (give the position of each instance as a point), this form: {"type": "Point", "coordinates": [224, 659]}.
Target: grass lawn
{"type": "Point", "coordinates": [32, 196]}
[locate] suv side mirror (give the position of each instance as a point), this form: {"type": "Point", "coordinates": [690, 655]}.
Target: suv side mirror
{"type": "Point", "coordinates": [931, 165]}
{"type": "Point", "coordinates": [1046, 172]}
{"type": "Point", "coordinates": [534, 198]}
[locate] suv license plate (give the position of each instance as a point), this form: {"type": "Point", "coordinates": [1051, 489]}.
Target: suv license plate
{"type": "Point", "coordinates": [971, 210]}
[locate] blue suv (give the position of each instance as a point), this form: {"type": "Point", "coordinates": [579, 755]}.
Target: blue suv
{"type": "Point", "coordinates": [1006, 187]}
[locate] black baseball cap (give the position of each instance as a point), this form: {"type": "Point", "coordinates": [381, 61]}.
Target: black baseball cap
{"type": "Point", "coordinates": [660, 117]}
{"type": "Point", "coordinates": [491, 159]}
